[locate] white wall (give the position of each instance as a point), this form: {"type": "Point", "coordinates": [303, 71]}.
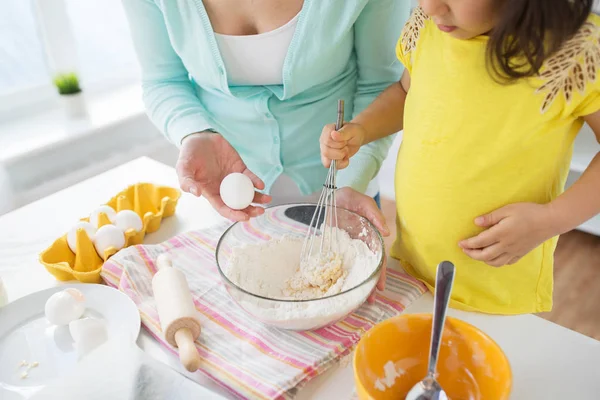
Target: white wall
{"type": "Point", "coordinates": [7, 201]}
{"type": "Point", "coordinates": [38, 174]}
{"type": "Point", "coordinates": [386, 173]}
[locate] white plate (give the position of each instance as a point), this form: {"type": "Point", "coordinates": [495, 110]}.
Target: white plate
{"type": "Point", "coordinates": [26, 334]}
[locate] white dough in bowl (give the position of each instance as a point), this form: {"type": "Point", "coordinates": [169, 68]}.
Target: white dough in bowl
{"type": "Point", "coordinates": [272, 269]}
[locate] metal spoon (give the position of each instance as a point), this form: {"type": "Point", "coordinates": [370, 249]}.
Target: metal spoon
{"type": "Point", "coordinates": [429, 388]}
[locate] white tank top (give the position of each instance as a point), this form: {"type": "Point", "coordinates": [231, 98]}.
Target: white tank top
{"type": "Point", "coordinates": [252, 60]}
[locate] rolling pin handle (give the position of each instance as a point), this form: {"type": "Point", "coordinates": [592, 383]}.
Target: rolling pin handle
{"type": "Point", "coordinates": [188, 354]}
{"type": "Point", "coordinates": [164, 261]}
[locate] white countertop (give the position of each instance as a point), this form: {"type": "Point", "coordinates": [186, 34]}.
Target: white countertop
{"type": "Point", "coordinates": [548, 361]}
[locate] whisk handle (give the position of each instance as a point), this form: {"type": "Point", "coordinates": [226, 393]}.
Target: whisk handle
{"type": "Point", "coordinates": [340, 115]}
{"type": "Point", "coordinates": [338, 125]}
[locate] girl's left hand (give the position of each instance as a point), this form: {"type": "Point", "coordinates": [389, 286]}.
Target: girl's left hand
{"type": "Point", "coordinates": [513, 231]}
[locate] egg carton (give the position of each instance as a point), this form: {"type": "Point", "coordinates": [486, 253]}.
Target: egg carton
{"type": "Point", "coordinates": [150, 202]}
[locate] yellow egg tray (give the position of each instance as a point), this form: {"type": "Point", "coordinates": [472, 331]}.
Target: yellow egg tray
{"type": "Point", "coordinates": [151, 202]}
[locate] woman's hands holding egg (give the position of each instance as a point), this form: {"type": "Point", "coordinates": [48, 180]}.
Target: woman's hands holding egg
{"type": "Point", "coordinates": [364, 205]}
{"type": "Point", "coordinates": [205, 159]}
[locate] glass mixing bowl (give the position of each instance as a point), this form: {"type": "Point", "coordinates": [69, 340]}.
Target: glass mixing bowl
{"type": "Point", "coordinates": [294, 220]}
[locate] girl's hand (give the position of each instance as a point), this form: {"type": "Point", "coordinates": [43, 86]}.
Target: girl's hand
{"type": "Point", "coordinates": [340, 145]}
{"type": "Point", "coordinates": [513, 231]}
{"type": "Point", "coordinates": [205, 159]}
{"type": "Point", "coordinates": [364, 205]}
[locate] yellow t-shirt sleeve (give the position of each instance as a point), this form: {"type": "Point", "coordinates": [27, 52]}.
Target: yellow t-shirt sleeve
{"type": "Point", "coordinates": [588, 102]}
{"type": "Point", "coordinates": [570, 78]}
{"type": "Point", "coordinates": [403, 58]}
{"type": "Point", "coordinates": [583, 80]}
{"type": "Point", "coordinates": [407, 43]}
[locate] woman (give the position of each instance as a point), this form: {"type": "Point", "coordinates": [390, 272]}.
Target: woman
{"type": "Point", "coordinates": [246, 86]}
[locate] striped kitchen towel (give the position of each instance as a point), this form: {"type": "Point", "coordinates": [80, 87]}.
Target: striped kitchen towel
{"type": "Point", "coordinates": [245, 357]}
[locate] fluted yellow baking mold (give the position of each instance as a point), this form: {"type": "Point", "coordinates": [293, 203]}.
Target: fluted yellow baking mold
{"type": "Point", "coordinates": [151, 202]}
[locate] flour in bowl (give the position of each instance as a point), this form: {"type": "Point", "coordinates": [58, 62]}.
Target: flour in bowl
{"type": "Point", "coordinates": [320, 275]}
{"type": "Point", "coordinates": [272, 269]}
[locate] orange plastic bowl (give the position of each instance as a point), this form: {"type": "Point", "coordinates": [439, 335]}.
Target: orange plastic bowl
{"type": "Point", "coordinates": [471, 366]}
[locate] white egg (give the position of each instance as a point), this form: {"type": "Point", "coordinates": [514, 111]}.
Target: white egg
{"type": "Point", "coordinates": [108, 236]}
{"type": "Point", "coordinates": [65, 306]}
{"type": "Point", "coordinates": [127, 219]}
{"type": "Point", "coordinates": [88, 333]}
{"type": "Point", "coordinates": [72, 234]}
{"type": "Point", "coordinates": [108, 210]}
{"type": "Point", "coordinates": [237, 191]}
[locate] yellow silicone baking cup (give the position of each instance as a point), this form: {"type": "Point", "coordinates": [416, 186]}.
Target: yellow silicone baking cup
{"type": "Point", "coordinates": [151, 202]}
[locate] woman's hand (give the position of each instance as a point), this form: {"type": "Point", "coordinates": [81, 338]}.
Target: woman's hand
{"type": "Point", "coordinates": [205, 159]}
{"type": "Point", "coordinates": [513, 231]}
{"type": "Point", "coordinates": [365, 206]}
{"type": "Point", "coordinates": [340, 145]}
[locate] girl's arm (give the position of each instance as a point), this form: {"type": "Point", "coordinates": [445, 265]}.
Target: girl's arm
{"type": "Point", "coordinates": [385, 116]}
{"type": "Point", "coordinates": [376, 31]}
{"type": "Point", "coordinates": [516, 229]}
{"type": "Point", "coordinates": [581, 201]}
{"type": "Point", "coordinates": [382, 118]}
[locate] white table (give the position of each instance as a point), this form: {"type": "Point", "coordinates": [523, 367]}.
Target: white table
{"type": "Point", "coordinates": [548, 361]}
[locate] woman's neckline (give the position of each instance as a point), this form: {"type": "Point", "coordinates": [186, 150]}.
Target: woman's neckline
{"type": "Point", "coordinates": [263, 34]}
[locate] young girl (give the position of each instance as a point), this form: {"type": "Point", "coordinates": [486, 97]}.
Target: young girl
{"type": "Point", "coordinates": [493, 96]}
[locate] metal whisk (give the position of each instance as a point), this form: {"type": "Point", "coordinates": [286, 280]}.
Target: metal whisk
{"type": "Point", "coordinates": [327, 207]}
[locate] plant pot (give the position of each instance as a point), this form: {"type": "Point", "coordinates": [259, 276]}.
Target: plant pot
{"type": "Point", "coordinates": [74, 105]}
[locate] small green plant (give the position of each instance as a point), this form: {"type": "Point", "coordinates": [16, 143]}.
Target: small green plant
{"type": "Point", "coordinates": [67, 83]}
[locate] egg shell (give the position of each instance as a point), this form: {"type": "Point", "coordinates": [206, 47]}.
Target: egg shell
{"type": "Point", "coordinates": [108, 236]}
{"type": "Point", "coordinates": [237, 191]}
{"type": "Point", "coordinates": [72, 234]}
{"type": "Point", "coordinates": [62, 308]}
{"type": "Point", "coordinates": [76, 293]}
{"type": "Point", "coordinates": [127, 219]}
{"type": "Point", "coordinates": [88, 333]}
{"type": "Point", "coordinates": [108, 210]}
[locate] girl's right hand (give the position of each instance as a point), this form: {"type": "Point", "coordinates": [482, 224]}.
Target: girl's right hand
{"type": "Point", "coordinates": [341, 145]}
{"type": "Point", "coordinates": [205, 159]}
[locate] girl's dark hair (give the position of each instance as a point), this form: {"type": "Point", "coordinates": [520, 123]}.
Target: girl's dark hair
{"type": "Point", "coordinates": [529, 31]}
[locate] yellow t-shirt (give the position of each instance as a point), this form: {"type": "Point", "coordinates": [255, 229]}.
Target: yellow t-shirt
{"type": "Point", "coordinates": [472, 145]}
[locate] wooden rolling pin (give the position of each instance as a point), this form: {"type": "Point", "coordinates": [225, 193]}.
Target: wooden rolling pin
{"type": "Point", "coordinates": [176, 311]}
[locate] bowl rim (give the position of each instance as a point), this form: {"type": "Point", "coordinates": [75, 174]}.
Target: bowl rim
{"type": "Point", "coordinates": [374, 273]}
{"type": "Point", "coordinates": [454, 320]}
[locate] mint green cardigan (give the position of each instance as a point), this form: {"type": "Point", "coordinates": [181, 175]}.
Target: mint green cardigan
{"type": "Point", "coordinates": [341, 49]}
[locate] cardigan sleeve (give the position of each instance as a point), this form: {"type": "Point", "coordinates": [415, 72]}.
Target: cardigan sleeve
{"type": "Point", "coordinates": [376, 32]}
{"type": "Point", "coordinates": [168, 94]}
